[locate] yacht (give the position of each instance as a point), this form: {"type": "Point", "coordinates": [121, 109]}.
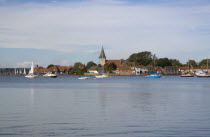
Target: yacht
{"type": "Point", "coordinates": [187, 75]}
{"type": "Point", "coordinates": [31, 72]}
{"type": "Point", "coordinates": [50, 75]}
{"type": "Point", "coordinates": [202, 74]}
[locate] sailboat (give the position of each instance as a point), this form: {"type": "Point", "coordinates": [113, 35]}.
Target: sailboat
{"type": "Point", "coordinates": [204, 74]}
{"type": "Point", "coordinates": [188, 74]}
{"type": "Point", "coordinates": [24, 71]}
{"type": "Point", "coordinates": [15, 72]}
{"type": "Point", "coordinates": [31, 72]}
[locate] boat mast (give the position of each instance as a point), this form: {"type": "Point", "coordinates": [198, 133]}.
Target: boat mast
{"type": "Point", "coordinates": [154, 61]}
{"type": "Point", "coordinates": [207, 65]}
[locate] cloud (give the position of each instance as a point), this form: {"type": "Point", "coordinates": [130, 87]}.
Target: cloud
{"type": "Point", "coordinates": [73, 27]}
{"type": "Point", "coordinates": [23, 64]}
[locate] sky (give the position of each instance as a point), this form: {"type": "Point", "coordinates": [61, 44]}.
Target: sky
{"type": "Point", "coordinates": [63, 32]}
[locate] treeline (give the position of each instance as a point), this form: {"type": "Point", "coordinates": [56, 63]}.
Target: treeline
{"type": "Point", "coordinates": [146, 58]}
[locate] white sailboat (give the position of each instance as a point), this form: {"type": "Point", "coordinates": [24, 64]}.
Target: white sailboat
{"type": "Point", "coordinates": [31, 72]}
{"type": "Point", "coordinates": [24, 71]}
{"type": "Point", "coordinates": [204, 74]}
{"type": "Point", "coordinates": [188, 74]}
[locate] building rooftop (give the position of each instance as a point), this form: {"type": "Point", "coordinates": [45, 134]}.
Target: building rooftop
{"type": "Point", "coordinates": [102, 54]}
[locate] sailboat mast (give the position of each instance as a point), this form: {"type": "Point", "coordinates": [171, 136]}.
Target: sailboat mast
{"type": "Point", "coordinates": [207, 64]}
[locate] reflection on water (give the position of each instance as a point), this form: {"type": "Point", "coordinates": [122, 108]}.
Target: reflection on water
{"type": "Point", "coordinates": [120, 106]}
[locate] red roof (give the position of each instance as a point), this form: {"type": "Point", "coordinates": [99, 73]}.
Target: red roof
{"type": "Point", "coordinates": [116, 62]}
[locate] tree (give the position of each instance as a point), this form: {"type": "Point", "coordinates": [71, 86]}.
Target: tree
{"type": "Point", "coordinates": [175, 62]}
{"type": "Point", "coordinates": [141, 58]}
{"type": "Point", "coordinates": [51, 65]}
{"type": "Point", "coordinates": [110, 67]}
{"type": "Point", "coordinates": [192, 63]}
{"type": "Point", "coordinates": [78, 64]}
{"type": "Point", "coordinates": [162, 62]}
{"type": "Point", "coordinates": [90, 64]}
{"type": "Point", "coordinates": [203, 62]}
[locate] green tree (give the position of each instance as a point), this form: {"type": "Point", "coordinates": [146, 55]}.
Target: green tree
{"type": "Point", "coordinates": [90, 64]}
{"type": "Point", "coordinates": [192, 63]}
{"type": "Point", "coordinates": [203, 62]}
{"type": "Point", "coordinates": [51, 65]}
{"type": "Point", "coordinates": [175, 62]}
{"type": "Point", "coordinates": [110, 67]}
{"type": "Point", "coordinates": [78, 64]}
{"type": "Point", "coordinates": [162, 62]}
{"type": "Point", "coordinates": [141, 58]}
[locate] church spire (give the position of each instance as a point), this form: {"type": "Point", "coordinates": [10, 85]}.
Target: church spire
{"type": "Point", "coordinates": [102, 54]}
{"type": "Point", "coordinates": [102, 57]}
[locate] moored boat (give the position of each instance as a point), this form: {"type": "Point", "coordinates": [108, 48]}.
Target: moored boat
{"type": "Point", "coordinates": [31, 72]}
{"type": "Point", "coordinates": [102, 76]}
{"type": "Point", "coordinates": [50, 75]}
{"type": "Point", "coordinates": [153, 76]}
{"type": "Point", "coordinates": [202, 74]}
{"type": "Point", "coordinates": [83, 78]}
{"type": "Point", "coordinates": [187, 75]}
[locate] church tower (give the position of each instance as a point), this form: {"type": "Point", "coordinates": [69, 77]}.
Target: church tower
{"type": "Point", "coordinates": [102, 57]}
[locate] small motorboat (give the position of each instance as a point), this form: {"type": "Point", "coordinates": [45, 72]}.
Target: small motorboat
{"type": "Point", "coordinates": [31, 76]}
{"type": "Point", "coordinates": [187, 75]}
{"type": "Point", "coordinates": [102, 76]}
{"type": "Point", "coordinates": [50, 75]}
{"type": "Point", "coordinates": [83, 78]}
{"type": "Point", "coordinates": [153, 76]}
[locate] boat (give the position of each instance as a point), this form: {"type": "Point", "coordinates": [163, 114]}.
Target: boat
{"type": "Point", "coordinates": [83, 78]}
{"type": "Point", "coordinates": [187, 74]}
{"type": "Point", "coordinates": [50, 75]}
{"type": "Point", "coordinates": [31, 72]}
{"type": "Point", "coordinates": [153, 76]}
{"type": "Point", "coordinates": [24, 71]}
{"type": "Point", "coordinates": [101, 76]}
{"type": "Point", "coordinates": [202, 74]}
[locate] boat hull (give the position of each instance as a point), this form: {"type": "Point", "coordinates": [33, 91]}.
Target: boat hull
{"type": "Point", "coordinates": [206, 76]}
{"type": "Point", "coordinates": [101, 76]}
{"type": "Point", "coordinates": [31, 76]}
{"type": "Point", "coordinates": [50, 76]}
{"type": "Point", "coordinates": [83, 78]}
{"type": "Point", "coordinates": [186, 75]}
{"type": "Point", "coordinates": [148, 76]}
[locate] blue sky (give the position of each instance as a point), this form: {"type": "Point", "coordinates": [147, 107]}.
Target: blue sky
{"type": "Point", "coordinates": [66, 31]}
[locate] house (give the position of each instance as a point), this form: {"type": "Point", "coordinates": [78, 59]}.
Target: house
{"type": "Point", "coordinates": [94, 70]}
{"type": "Point", "coordinates": [126, 68]}
{"type": "Point", "coordinates": [54, 69]}
{"type": "Point", "coordinates": [139, 70]}
{"type": "Point", "coordinates": [171, 70]}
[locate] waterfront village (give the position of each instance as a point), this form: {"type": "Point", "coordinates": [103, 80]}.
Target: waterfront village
{"type": "Point", "coordinates": [140, 63]}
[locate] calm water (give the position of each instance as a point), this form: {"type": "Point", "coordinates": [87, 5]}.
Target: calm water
{"type": "Point", "coordinates": [120, 106]}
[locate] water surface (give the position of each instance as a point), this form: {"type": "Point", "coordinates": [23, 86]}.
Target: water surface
{"type": "Point", "coordinates": [120, 106]}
